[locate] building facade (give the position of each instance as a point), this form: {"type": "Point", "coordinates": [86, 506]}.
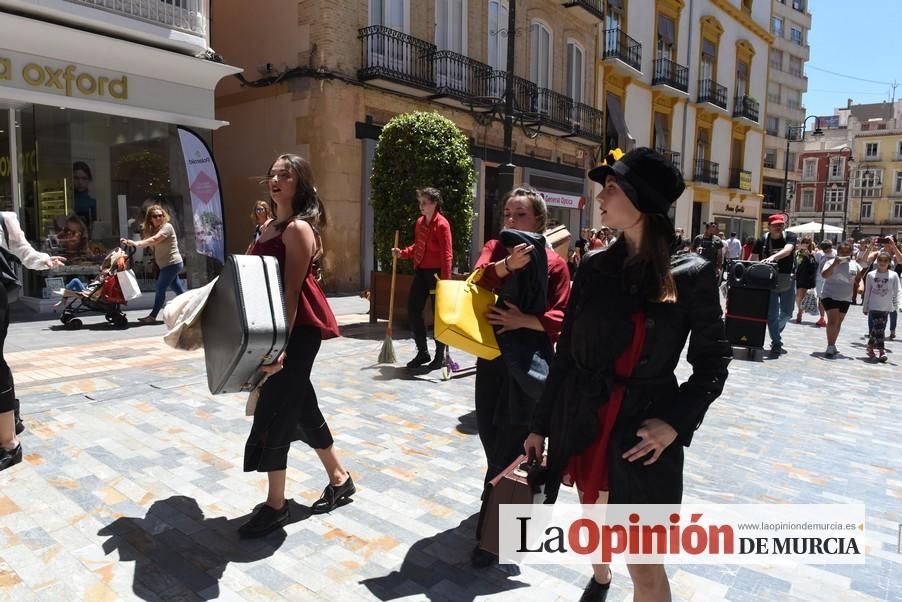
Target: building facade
{"type": "Point", "coordinates": [822, 193]}
{"type": "Point", "coordinates": [875, 207]}
{"type": "Point", "coordinates": [90, 102]}
{"type": "Point", "coordinates": [331, 73]}
{"type": "Point", "coordinates": [787, 83]}
{"type": "Point", "coordinates": [688, 77]}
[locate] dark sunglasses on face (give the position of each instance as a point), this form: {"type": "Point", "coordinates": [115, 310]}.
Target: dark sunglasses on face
{"type": "Point", "coordinates": [259, 209]}
{"type": "Point", "coordinates": [156, 216]}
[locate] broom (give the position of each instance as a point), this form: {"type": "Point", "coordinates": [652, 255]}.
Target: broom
{"type": "Point", "coordinates": [387, 354]}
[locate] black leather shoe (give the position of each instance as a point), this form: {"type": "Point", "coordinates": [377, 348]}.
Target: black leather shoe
{"type": "Point", "coordinates": [595, 591]}
{"type": "Point", "coordinates": [481, 559]}
{"type": "Point", "coordinates": [421, 358]}
{"type": "Point", "coordinates": [436, 363]}
{"type": "Point", "coordinates": [334, 496]}
{"type": "Point", "coordinates": [264, 521]}
{"type": "Point", "coordinates": [10, 457]}
{"type": "Point", "coordinates": [20, 426]}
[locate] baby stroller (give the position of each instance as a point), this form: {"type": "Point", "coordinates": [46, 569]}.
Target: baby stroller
{"type": "Point", "coordinates": [102, 294]}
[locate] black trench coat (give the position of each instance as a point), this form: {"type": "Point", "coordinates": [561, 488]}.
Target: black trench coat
{"type": "Point", "coordinates": [594, 333]}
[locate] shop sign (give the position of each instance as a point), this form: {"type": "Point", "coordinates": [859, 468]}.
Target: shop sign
{"type": "Point", "coordinates": [567, 201]}
{"type": "Point", "coordinates": [735, 208]}
{"type": "Point", "coordinates": [206, 202]}
{"type": "Point", "coordinates": [68, 80]}
{"type": "Point", "coordinates": [745, 180]}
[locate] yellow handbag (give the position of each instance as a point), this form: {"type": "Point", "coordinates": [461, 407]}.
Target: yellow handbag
{"type": "Point", "coordinates": [460, 322]}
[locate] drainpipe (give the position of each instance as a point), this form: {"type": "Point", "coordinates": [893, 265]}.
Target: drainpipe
{"type": "Point", "coordinates": [685, 160]}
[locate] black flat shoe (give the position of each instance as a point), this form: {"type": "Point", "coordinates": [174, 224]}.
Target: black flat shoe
{"type": "Point", "coordinates": [10, 457]}
{"type": "Point", "coordinates": [264, 521]}
{"type": "Point", "coordinates": [20, 426]}
{"type": "Point", "coordinates": [481, 559]}
{"type": "Point", "coordinates": [420, 359]}
{"type": "Point", "coordinates": [595, 591]}
{"type": "Point", "coordinates": [435, 364]}
{"type": "Point", "coordinates": [334, 496]}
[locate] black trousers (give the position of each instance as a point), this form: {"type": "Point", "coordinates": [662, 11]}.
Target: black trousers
{"type": "Point", "coordinates": [501, 440]}
{"type": "Point", "coordinates": [423, 283]}
{"type": "Point", "coordinates": [8, 400]}
{"type": "Point", "coordinates": [288, 409]}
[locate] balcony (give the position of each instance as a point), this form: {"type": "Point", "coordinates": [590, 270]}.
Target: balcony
{"type": "Point", "coordinates": [397, 61]}
{"type": "Point", "coordinates": [588, 124]}
{"type": "Point", "coordinates": [672, 156]}
{"type": "Point", "coordinates": [711, 92]}
{"type": "Point", "coordinates": [671, 75]}
{"type": "Point", "coordinates": [553, 109]}
{"type": "Point", "coordinates": [740, 179]}
{"type": "Point", "coordinates": [590, 11]}
{"type": "Point", "coordinates": [745, 107]}
{"type": "Point", "coordinates": [524, 91]}
{"type": "Point", "coordinates": [462, 82]}
{"type": "Point", "coordinates": [707, 172]}
{"type": "Point", "coordinates": [620, 49]}
{"type": "Point", "coordinates": [189, 16]}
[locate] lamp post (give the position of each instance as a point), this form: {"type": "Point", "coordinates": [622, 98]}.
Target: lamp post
{"type": "Point", "coordinates": [506, 171]}
{"type": "Point", "coordinates": [817, 133]}
{"type": "Point", "coordinates": [845, 199]}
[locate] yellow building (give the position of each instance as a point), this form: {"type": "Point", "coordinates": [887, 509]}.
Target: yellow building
{"type": "Point", "coordinates": [876, 187]}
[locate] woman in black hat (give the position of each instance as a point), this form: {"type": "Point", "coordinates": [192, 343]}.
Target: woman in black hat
{"type": "Point", "coordinates": [615, 417]}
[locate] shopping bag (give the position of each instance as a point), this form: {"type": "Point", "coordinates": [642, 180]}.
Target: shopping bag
{"type": "Point", "coordinates": [523, 482]}
{"type": "Point", "coordinates": [460, 322]}
{"type": "Point", "coordinates": [111, 292]}
{"type": "Point", "coordinates": [809, 303]}
{"type": "Point", "coordinates": [129, 284]}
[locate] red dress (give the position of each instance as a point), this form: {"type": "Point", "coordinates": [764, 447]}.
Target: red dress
{"type": "Point", "coordinates": [313, 308]}
{"type": "Point", "coordinates": [589, 470]}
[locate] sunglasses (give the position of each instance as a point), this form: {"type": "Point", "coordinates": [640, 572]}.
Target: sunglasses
{"type": "Point", "coordinates": [259, 209]}
{"type": "Point", "coordinates": [156, 216]}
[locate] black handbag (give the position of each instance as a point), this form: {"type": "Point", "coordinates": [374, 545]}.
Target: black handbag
{"type": "Point", "coordinates": [9, 276]}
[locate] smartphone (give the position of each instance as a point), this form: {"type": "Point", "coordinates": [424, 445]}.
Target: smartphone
{"type": "Point", "coordinates": [845, 259]}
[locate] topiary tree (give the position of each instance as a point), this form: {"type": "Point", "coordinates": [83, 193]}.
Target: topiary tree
{"type": "Point", "coordinates": [416, 150]}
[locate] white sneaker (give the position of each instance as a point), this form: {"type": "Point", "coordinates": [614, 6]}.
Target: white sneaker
{"type": "Point", "coordinates": [831, 351]}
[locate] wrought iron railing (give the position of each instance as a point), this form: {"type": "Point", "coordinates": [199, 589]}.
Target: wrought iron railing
{"type": "Point", "coordinates": [620, 46]}
{"type": "Point", "coordinates": [671, 74]}
{"type": "Point", "coordinates": [740, 179]}
{"type": "Point", "coordinates": [673, 157]}
{"type": "Point", "coordinates": [711, 92]}
{"type": "Point", "coordinates": [554, 108]}
{"type": "Point", "coordinates": [460, 76]}
{"type": "Point", "coordinates": [392, 54]}
{"type": "Point", "coordinates": [706, 171]}
{"type": "Point", "coordinates": [525, 92]}
{"type": "Point", "coordinates": [191, 16]}
{"type": "Point", "coordinates": [588, 122]}
{"type": "Point", "coordinates": [596, 7]}
{"type": "Point", "coordinates": [745, 106]}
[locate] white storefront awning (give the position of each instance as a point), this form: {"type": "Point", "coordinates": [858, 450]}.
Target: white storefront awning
{"type": "Point", "coordinates": [49, 64]}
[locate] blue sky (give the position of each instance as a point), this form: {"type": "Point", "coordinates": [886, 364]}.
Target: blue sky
{"type": "Point", "coordinates": [862, 39]}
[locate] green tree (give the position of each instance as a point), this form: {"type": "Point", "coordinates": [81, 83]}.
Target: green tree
{"type": "Point", "coordinates": [416, 150]}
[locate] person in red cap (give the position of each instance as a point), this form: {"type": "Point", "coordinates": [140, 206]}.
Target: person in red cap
{"type": "Point", "coordinates": [778, 247]}
{"type": "Point", "coordinates": [614, 413]}
{"type": "Point", "coordinates": [431, 254]}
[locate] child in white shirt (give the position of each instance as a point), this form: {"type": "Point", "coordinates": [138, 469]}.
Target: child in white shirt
{"type": "Point", "coordinates": [881, 297]}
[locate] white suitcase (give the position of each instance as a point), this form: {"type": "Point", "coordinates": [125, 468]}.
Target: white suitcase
{"type": "Point", "coordinates": [243, 323]}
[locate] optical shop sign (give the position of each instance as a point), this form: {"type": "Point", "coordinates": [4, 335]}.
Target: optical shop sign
{"type": "Point", "coordinates": [66, 80]}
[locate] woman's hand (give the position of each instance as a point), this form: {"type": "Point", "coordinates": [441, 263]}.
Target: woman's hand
{"type": "Point", "coordinates": [127, 243]}
{"type": "Point", "coordinates": [655, 435]}
{"type": "Point", "coordinates": [395, 252]}
{"type": "Point", "coordinates": [519, 257]}
{"type": "Point", "coordinates": [274, 367]}
{"type": "Point", "coordinates": [55, 262]}
{"type": "Point", "coordinates": [534, 446]}
{"type": "Point", "coordinates": [508, 319]}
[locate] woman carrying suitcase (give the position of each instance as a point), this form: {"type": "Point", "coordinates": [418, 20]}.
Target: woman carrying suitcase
{"type": "Point", "coordinates": [614, 413]}
{"type": "Point", "coordinates": [287, 409]}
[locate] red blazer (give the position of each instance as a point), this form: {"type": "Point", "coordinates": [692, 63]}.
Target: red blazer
{"type": "Point", "coordinates": [432, 245]}
{"type": "Point", "coordinates": [558, 283]}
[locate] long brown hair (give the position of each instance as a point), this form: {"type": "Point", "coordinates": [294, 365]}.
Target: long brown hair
{"type": "Point", "coordinates": [651, 263]}
{"type": "Point", "coordinates": [149, 228]}
{"type": "Point", "coordinates": [536, 201]}
{"type": "Point", "coordinates": [305, 204]}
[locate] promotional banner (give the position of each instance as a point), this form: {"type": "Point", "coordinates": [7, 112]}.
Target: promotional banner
{"type": "Point", "coordinates": [206, 202]}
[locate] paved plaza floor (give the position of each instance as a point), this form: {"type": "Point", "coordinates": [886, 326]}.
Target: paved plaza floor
{"type": "Point", "coordinates": [132, 486]}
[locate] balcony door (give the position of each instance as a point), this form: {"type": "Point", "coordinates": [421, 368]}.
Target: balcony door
{"type": "Point", "coordinates": [613, 16]}
{"type": "Point", "coordinates": [576, 65]}
{"type": "Point", "coordinates": [664, 48]}
{"type": "Point", "coordinates": [540, 61]}
{"type": "Point", "coordinates": [707, 68]}
{"type": "Point", "coordinates": [387, 50]}
{"type": "Point", "coordinates": [451, 35]}
{"type": "Point", "coordinates": [742, 79]}
{"type": "Point", "coordinates": [497, 47]}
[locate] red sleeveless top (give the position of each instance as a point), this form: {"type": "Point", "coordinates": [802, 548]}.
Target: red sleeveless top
{"type": "Point", "coordinates": [313, 308]}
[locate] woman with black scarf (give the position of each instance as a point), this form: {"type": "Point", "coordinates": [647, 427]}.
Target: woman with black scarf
{"type": "Point", "coordinates": [615, 417]}
{"type": "Point", "coordinates": [533, 285]}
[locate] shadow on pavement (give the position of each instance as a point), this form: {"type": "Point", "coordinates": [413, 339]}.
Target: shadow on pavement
{"type": "Point", "coordinates": [179, 554]}
{"type": "Point", "coordinates": [390, 372]}
{"type": "Point", "coordinates": [438, 567]}
{"type": "Point", "coordinates": [363, 331]}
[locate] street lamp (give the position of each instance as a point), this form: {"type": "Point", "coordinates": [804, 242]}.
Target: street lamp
{"type": "Point", "coordinates": [850, 160]}
{"type": "Point", "coordinates": [817, 133]}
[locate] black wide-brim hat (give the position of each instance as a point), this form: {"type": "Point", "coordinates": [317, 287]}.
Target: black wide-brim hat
{"type": "Point", "coordinates": [651, 181]}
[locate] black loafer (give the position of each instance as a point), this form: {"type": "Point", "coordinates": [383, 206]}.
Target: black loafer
{"type": "Point", "coordinates": [10, 457]}
{"type": "Point", "coordinates": [264, 521]}
{"type": "Point", "coordinates": [334, 496]}
{"type": "Point", "coordinates": [420, 359]}
{"type": "Point", "coordinates": [595, 591]}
